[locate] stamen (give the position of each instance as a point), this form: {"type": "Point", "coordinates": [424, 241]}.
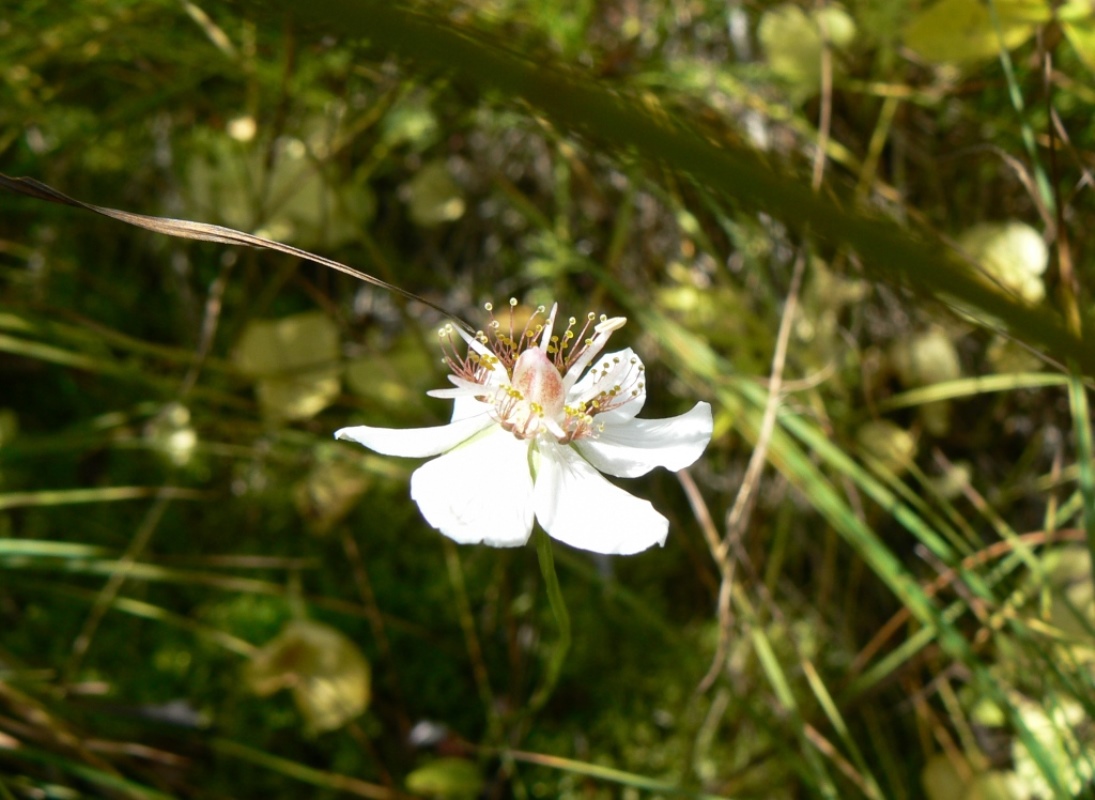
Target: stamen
{"type": "Point", "coordinates": [491, 362]}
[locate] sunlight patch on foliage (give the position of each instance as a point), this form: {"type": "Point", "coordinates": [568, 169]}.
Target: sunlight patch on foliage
{"type": "Point", "coordinates": [326, 672]}
{"type": "Point", "coordinates": [294, 361]}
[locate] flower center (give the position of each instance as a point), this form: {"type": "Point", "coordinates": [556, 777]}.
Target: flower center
{"type": "Point", "coordinates": [530, 377]}
{"type": "Point", "coordinates": [535, 397]}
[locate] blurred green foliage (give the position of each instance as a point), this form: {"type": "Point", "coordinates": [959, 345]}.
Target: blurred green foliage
{"type": "Point", "coordinates": [883, 609]}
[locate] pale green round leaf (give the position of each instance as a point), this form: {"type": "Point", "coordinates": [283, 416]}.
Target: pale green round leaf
{"type": "Point", "coordinates": [328, 675]}
{"type": "Point", "coordinates": [792, 42]}
{"type": "Point", "coordinates": [961, 32]}
{"type": "Point", "coordinates": [294, 361]}
{"type": "Point", "coordinates": [432, 196]}
{"type": "Point", "coordinates": [1013, 253]}
{"type": "Point", "coordinates": [454, 778]}
{"type": "Point", "coordinates": [886, 442]}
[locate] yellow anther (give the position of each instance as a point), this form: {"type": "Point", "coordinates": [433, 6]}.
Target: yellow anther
{"type": "Point", "coordinates": [488, 306]}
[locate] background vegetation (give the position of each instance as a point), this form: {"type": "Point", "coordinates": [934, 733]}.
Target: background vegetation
{"type": "Point", "coordinates": [858, 230]}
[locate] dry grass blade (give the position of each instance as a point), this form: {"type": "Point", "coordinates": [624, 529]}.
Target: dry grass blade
{"type": "Point", "coordinates": [206, 232]}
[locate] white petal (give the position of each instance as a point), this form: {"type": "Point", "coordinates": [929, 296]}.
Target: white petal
{"type": "Point", "coordinates": [630, 448]}
{"type": "Point", "coordinates": [576, 505]}
{"type": "Point", "coordinates": [419, 442]}
{"type": "Point", "coordinates": [467, 407]}
{"type": "Point", "coordinates": [452, 394]}
{"type": "Point", "coordinates": [603, 331]}
{"type": "Point", "coordinates": [481, 492]}
{"type": "Point", "coordinates": [623, 369]}
{"type": "Point", "coordinates": [461, 388]}
{"type": "Point", "coordinates": [549, 325]}
{"type": "Point", "coordinates": [473, 343]}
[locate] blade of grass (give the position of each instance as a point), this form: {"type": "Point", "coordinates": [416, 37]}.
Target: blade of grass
{"type": "Point", "coordinates": [139, 608]}
{"type": "Point", "coordinates": [620, 777]}
{"type": "Point", "coordinates": [966, 387]}
{"type": "Point", "coordinates": [31, 548]}
{"type": "Point", "coordinates": [108, 494]}
{"type": "Point", "coordinates": [1081, 425]}
{"type": "Point", "coordinates": [90, 774]}
{"type": "Point", "coordinates": [777, 679]}
{"type": "Point", "coordinates": [869, 783]}
{"type": "Point", "coordinates": [300, 772]}
{"type": "Point", "coordinates": [580, 102]}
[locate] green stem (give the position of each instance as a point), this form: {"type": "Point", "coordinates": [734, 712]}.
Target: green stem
{"type": "Point", "coordinates": [471, 639]}
{"type": "Point", "coordinates": [1016, 96]}
{"type": "Point", "coordinates": [1081, 425]}
{"type": "Point", "coordinates": [562, 619]}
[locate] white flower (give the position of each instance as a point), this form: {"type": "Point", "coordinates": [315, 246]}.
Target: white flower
{"type": "Point", "coordinates": [530, 435]}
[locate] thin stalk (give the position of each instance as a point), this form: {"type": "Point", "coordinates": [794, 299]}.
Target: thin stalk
{"type": "Point", "coordinates": [562, 619]}
{"type": "Point", "coordinates": [1081, 422]}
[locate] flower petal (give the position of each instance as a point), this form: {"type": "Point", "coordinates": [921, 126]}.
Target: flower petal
{"type": "Point", "coordinates": [630, 448]}
{"type": "Point", "coordinates": [602, 332]}
{"type": "Point", "coordinates": [467, 407]}
{"type": "Point", "coordinates": [549, 326]}
{"type": "Point", "coordinates": [623, 369]}
{"type": "Point", "coordinates": [481, 492]}
{"type": "Point", "coordinates": [577, 506]}
{"type": "Point", "coordinates": [419, 442]}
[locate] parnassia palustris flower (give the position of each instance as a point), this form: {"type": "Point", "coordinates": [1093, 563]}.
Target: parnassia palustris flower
{"type": "Point", "coordinates": [537, 418]}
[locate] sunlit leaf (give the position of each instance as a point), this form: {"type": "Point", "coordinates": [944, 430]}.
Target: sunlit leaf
{"type": "Point", "coordinates": [433, 196]}
{"type": "Point", "coordinates": [1007, 356]}
{"type": "Point", "coordinates": [1011, 252]}
{"type": "Point", "coordinates": [955, 478]}
{"type": "Point", "coordinates": [171, 433]}
{"type": "Point", "coordinates": [1072, 597]}
{"type": "Point", "coordinates": [412, 122]}
{"type": "Point", "coordinates": [454, 778]}
{"type": "Point", "coordinates": [329, 493]}
{"type": "Point", "coordinates": [922, 360]}
{"type": "Point", "coordinates": [1081, 35]}
{"type": "Point", "coordinates": [942, 779]}
{"type": "Point", "coordinates": [792, 40]}
{"type": "Point", "coordinates": [294, 361]}
{"type": "Point", "coordinates": [885, 441]}
{"type": "Point", "coordinates": [962, 32]}
{"type": "Point", "coordinates": [328, 675]}
{"type": "Point", "coordinates": [304, 204]}
{"type": "Point", "coordinates": [1062, 727]}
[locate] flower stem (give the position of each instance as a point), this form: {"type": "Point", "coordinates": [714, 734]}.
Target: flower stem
{"type": "Point", "coordinates": [471, 639]}
{"type": "Point", "coordinates": [562, 619]}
